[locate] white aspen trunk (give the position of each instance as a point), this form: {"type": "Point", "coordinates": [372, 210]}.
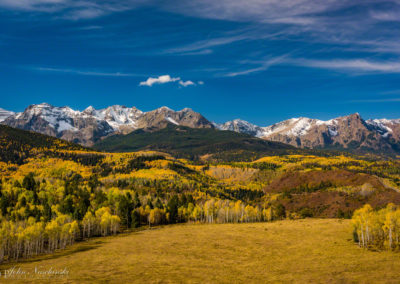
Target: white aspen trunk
{"type": "Point", "coordinates": [362, 236]}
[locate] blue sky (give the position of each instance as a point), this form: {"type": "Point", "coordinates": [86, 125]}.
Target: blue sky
{"type": "Point", "coordinates": [262, 61]}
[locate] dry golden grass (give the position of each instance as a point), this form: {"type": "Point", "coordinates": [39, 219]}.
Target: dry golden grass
{"type": "Point", "coordinates": [304, 251]}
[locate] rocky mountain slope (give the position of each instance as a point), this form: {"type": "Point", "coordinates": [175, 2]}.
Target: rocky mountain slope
{"type": "Point", "coordinates": [90, 125]}
{"type": "Point", "coordinates": [349, 132]}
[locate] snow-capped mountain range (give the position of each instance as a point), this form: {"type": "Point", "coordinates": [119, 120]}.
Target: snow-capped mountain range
{"type": "Point", "coordinates": [88, 126]}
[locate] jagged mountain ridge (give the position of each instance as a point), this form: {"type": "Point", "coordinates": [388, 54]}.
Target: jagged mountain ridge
{"type": "Point", "coordinates": [89, 126]}
{"type": "Point", "coordinates": [351, 132]}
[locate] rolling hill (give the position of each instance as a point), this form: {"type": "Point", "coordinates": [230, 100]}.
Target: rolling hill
{"type": "Point", "coordinates": [20, 146]}
{"type": "Point", "coordinates": [195, 143]}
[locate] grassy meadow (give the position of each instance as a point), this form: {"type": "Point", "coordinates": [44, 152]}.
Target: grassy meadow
{"type": "Point", "coordinates": [307, 250]}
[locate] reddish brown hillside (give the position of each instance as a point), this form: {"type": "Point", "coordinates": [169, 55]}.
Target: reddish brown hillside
{"type": "Point", "coordinates": [317, 180]}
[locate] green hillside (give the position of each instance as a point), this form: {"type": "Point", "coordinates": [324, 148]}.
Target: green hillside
{"type": "Point", "coordinates": [192, 143]}
{"type": "Point", "coordinates": [16, 145]}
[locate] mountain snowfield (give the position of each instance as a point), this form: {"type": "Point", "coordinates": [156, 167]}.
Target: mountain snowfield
{"type": "Point", "coordinates": [89, 126]}
{"type": "Point", "coordinates": [4, 114]}
{"type": "Point", "coordinates": [120, 118]}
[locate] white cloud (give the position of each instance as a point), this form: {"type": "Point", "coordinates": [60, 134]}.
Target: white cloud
{"type": "Point", "coordinates": [168, 79]}
{"type": "Point", "coordinates": [159, 80]}
{"type": "Point", "coordinates": [186, 83]}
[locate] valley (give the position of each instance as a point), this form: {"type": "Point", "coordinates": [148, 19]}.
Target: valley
{"type": "Point", "coordinates": [172, 199]}
{"type": "Point", "coordinates": [193, 141]}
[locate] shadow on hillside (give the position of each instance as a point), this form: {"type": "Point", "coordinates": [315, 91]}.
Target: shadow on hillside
{"type": "Point", "coordinates": [78, 247]}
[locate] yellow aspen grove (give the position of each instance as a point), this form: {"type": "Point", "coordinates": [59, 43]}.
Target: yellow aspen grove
{"type": "Point", "coordinates": [267, 214]}
{"type": "Point", "coordinates": [380, 229]}
{"type": "Point", "coordinates": [88, 224]}
{"type": "Point", "coordinates": [106, 223]}
{"type": "Point", "coordinates": [156, 216]}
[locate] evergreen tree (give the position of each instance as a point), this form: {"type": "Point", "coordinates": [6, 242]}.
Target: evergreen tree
{"type": "Point", "coordinates": [67, 205]}
{"type": "Point", "coordinates": [172, 209]}
{"type": "Point", "coordinates": [135, 219]}
{"type": "Point", "coordinates": [47, 214]}
{"type": "Point", "coordinates": [125, 207]}
{"type": "Point", "coordinates": [159, 204]}
{"type": "Point", "coordinates": [136, 201]}
{"type": "Point", "coordinates": [150, 203]}
{"type": "Point", "coordinates": [29, 182]}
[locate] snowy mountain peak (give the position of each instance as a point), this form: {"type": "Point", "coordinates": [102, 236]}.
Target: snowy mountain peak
{"type": "Point", "coordinates": [42, 105]}
{"type": "Point", "coordinates": [186, 109]}
{"type": "Point", "coordinates": [4, 114]}
{"type": "Point", "coordinates": [164, 108]}
{"type": "Point", "coordinates": [118, 117]}
{"type": "Point", "coordinates": [89, 110]}
{"type": "Point", "coordinates": [382, 126]}
{"type": "Point", "coordinates": [242, 126]}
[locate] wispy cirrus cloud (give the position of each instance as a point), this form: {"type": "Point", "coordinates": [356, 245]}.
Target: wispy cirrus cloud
{"type": "Point", "coordinates": [204, 45]}
{"type": "Point", "coordinates": [284, 11]}
{"type": "Point", "coordinates": [375, 100]}
{"type": "Point", "coordinates": [263, 65]}
{"type": "Point", "coordinates": [71, 9]}
{"type": "Point", "coordinates": [391, 92]}
{"type": "Point", "coordinates": [235, 10]}
{"type": "Point", "coordinates": [34, 5]}
{"type": "Point", "coordinates": [345, 23]}
{"type": "Point", "coordinates": [320, 20]}
{"type": "Point", "coordinates": [85, 72]}
{"type": "Point", "coordinates": [386, 15]}
{"type": "Point", "coordinates": [350, 65]}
